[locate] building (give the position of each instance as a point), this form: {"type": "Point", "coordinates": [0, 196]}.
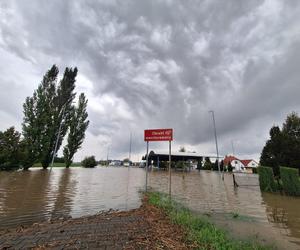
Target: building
{"type": "Point", "coordinates": [249, 165]}
{"type": "Point", "coordinates": [155, 158]}
{"type": "Point", "coordinates": [240, 165]}
{"type": "Point", "coordinates": [236, 164]}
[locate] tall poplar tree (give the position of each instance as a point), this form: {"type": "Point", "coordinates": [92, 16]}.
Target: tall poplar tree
{"type": "Point", "coordinates": [78, 125]}
{"type": "Point", "coordinates": [49, 108]}
{"type": "Point", "coordinates": [61, 113]}
{"type": "Point", "coordinates": [37, 115]}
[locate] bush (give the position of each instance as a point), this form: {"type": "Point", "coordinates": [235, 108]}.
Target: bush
{"type": "Point", "coordinates": [10, 150]}
{"type": "Point", "coordinates": [164, 164]}
{"type": "Point", "coordinates": [254, 170]}
{"type": "Point", "coordinates": [290, 181]}
{"type": "Point", "coordinates": [181, 164]}
{"type": "Point", "coordinates": [229, 167]}
{"type": "Point", "coordinates": [266, 179]}
{"type": "Point", "coordinates": [89, 162]}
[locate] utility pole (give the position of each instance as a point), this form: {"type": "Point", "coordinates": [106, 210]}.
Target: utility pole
{"type": "Point", "coordinates": [130, 141]}
{"type": "Point", "coordinates": [57, 137]}
{"type": "Point", "coordinates": [216, 140]}
{"type": "Point", "coordinates": [232, 147]}
{"type": "Point", "coordinates": [107, 156]}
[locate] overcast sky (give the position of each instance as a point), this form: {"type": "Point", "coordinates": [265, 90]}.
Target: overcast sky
{"type": "Point", "coordinates": [156, 64]}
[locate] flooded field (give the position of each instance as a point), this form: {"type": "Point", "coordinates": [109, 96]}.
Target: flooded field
{"type": "Point", "coordinates": [37, 195]}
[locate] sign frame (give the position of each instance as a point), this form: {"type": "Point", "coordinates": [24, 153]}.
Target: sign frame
{"type": "Point", "coordinates": [151, 135]}
{"type": "Point", "coordinates": [158, 134]}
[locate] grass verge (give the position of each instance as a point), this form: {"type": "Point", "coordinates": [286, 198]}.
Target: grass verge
{"type": "Point", "coordinates": [204, 234]}
{"type": "Point", "coordinates": [58, 165]}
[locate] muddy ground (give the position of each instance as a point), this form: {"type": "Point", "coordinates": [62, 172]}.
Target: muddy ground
{"type": "Point", "coordinates": [144, 228]}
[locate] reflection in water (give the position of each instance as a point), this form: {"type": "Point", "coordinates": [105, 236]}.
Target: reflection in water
{"type": "Point", "coordinates": [37, 195]}
{"type": "Point", "coordinates": [206, 192]}
{"type": "Point", "coordinates": [24, 192]}
{"type": "Point", "coordinates": [66, 191]}
{"type": "Point", "coordinates": [284, 212]}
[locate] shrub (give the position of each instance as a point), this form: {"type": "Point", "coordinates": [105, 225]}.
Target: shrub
{"type": "Point", "coordinates": [10, 149]}
{"type": "Point", "coordinates": [290, 181]}
{"type": "Point", "coordinates": [207, 166]}
{"type": "Point", "coordinates": [229, 167]}
{"type": "Point", "coordinates": [266, 179]}
{"type": "Point", "coordinates": [89, 162]}
{"type": "Point", "coordinates": [164, 164]}
{"type": "Point", "coordinates": [254, 170]}
{"type": "Point", "coordinates": [181, 164]}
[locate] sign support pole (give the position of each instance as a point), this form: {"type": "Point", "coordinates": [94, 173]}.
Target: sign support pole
{"type": "Point", "coordinates": [170, 169]}
{"type": "Point", "coordinates": [147, 166]}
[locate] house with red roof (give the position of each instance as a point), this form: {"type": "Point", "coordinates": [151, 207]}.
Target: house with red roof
{"type": "Point", "coordinates": [238, 165]}
{"type": "Point", "coordinates": [249, 165]}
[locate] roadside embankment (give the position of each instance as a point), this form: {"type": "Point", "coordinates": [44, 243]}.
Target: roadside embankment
{"type": "Point", "coordinates": [144, 228]}
{"type": "Point", "coordinates": [160, 223]}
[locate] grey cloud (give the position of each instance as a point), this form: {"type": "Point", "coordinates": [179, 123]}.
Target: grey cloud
{"type": "Point", "coordinates": [166, 63]}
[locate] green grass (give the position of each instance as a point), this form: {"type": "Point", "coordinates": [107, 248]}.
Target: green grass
{"type": "Point", "coordinates": [199, 230]}
{"type": "Point", "coordinates": [58, 165]}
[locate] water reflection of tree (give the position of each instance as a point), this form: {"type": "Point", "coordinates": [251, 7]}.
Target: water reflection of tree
{"type": "Point", "coordinates": [24, 199]}
{"type": "Point", "coordinates": [283, 211]}
{"type": "Point", "coordinates": [65, 195]}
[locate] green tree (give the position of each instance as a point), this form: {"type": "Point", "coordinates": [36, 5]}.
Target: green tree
{"type": "Point", "coordinates": [37, 115]}
{"type": "Point", "coordinates": [61, 115]}
{"type": "Point", "coordinates": [291, 135]}
{"type": "Point", "coordinates": [45, 112]}
{"type": "Point", "coordinates": [199, 163]}
{"type": "Point", "coordinates": [273, 152]}
{"type": "Point", "coordinates": [222, 165]}
{"type": "Point", "coordinates": [283, 147]}
{"type": "Point", "coordinates": [10, 149]}
{"type": "Point", "coordinates": [229, 167]}
{"type": "Point", "coordinates": [215, 165]}
{"type": "Point", "coordinates": [182, 149]}
{"type": "Point", "coordinates": [89, 162]}
{"type": "Point", "coordinates": [207, 164]}
{"type": "Point", "coordinates": [78, 125]}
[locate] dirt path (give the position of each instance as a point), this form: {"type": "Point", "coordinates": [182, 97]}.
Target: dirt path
{"type": "Point", "coordinates": [143, 228]}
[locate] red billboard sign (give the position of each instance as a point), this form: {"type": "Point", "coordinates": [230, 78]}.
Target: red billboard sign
{"type": "Point", "coordinates": [158, 134]}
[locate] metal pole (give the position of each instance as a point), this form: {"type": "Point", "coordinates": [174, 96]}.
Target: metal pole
{"type": "Point", "coordinates": [130, 148]}
{"type": "Point", "coordinates": [107, 156]}
{"type": "Point", "coordinates": [56, 143]}
{"type": "Point", "coordinates": [147, 166]}
{"type": "Point", "coordinates": [216, 140]}
{"type": "Point", "coordinates": [170, 168]}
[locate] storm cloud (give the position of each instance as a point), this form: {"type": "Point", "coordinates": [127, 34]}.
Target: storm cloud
{"type": "Point", "coordinates": [160, 63]}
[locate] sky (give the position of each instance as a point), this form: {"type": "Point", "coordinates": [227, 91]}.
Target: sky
{"type": "Point", "coordinates": [159, 64]}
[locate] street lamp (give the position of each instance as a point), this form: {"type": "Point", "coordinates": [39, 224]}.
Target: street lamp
{"type": "Point", "coordinates": [57, 138]}
{"type": "Point", "coordinates": [216, 140]}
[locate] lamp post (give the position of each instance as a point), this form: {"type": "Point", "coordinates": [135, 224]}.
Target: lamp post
{"type": "Point", "coordinates": [57, 137]}
{"type": "Point", "coordinates": [59, 129]}
{"type": "Point", "coordinates": [130, 142]}
{"type": "Point", "coordinates": [216, 140]}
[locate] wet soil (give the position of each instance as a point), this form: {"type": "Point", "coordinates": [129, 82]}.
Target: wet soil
{"type": "Point", "coordinates": [144, 228]}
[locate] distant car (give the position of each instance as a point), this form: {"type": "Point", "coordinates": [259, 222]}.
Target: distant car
{"type": "Point", "coordinates": [115, 163]}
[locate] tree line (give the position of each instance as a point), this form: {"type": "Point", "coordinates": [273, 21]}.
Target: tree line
{"type": "Point", "coordinates": [49, 116]}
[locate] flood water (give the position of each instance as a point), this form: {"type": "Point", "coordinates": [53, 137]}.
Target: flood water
{"type": "Point", "coordinates": [33, 196]}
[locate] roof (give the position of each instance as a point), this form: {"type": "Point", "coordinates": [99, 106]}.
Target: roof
{"type": "Point", "coordinates": [186, 154]}
{"type": "Point", "coordinates": [245, 162]}
{"type": "Point", "coordinates": [229, 158]}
